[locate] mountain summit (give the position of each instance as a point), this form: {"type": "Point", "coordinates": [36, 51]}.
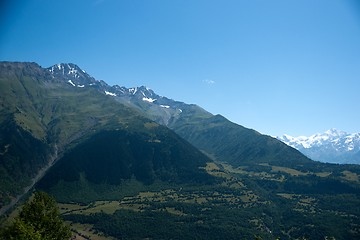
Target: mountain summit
{"type": "Point", "coordinates": [332, 146]}
{"type": "Point", "coordinates": [73, 74]}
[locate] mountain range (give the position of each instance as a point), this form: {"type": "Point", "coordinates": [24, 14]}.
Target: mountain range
{"type": "Point", "coordinates": [332, 146]}
{"type": "Point", "coordinates": [136, 165]}
{"type": "Point", "coordinates": [187, 119]}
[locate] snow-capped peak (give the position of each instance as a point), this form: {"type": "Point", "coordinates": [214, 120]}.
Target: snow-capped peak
{"type": "Point", "coordinates": [331, 135]}
{"type": "Point", "coordinates": [332, 142]}
{"type": "Point", "coordinates": [296, 142]}
{"type": "Point", "coordinates": [70, 71]}
{"type": "Point", "coordinates": [67, 69]}
{"type": "Point", "coordinates": [334, 132]}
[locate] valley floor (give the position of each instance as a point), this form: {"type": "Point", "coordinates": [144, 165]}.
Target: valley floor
{"type": "Point", "coordinates": [245, 204]}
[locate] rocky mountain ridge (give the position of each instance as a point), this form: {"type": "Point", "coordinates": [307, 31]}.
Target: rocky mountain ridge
{"type": "Point", "coordinates": [159, 108]}
{"type": "Point", "coordinates": [230, 142]}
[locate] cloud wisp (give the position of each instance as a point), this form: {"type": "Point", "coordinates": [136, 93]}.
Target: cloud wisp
{"type": "Point", "coordinates": [209, 81]}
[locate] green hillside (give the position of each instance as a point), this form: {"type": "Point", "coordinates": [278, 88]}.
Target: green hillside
{"type": "Point", "coordinates": [235, 144]}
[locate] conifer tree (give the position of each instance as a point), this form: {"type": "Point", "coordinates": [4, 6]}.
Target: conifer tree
{"type": "Point", "coordinates": [39, 219]}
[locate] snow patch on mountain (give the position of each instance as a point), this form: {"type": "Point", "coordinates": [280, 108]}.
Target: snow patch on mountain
{"type": "Point", "coordinates": [74, 70]}
{"type": "Point", "coordinates": [133, 90]}
{"type": "Point", "coordinates": [150, 100]}
{"type": "Point", "coordinates": [110, 93]}
{"type": "Point", "coordinates": [71, 83]}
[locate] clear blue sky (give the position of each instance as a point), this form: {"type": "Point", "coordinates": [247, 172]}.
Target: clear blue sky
{"type": "Point", "coordinates": [280, 66]}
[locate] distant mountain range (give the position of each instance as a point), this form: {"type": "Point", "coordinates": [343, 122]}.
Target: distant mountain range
{"type": "Point", "coordinates": [332, 146]}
